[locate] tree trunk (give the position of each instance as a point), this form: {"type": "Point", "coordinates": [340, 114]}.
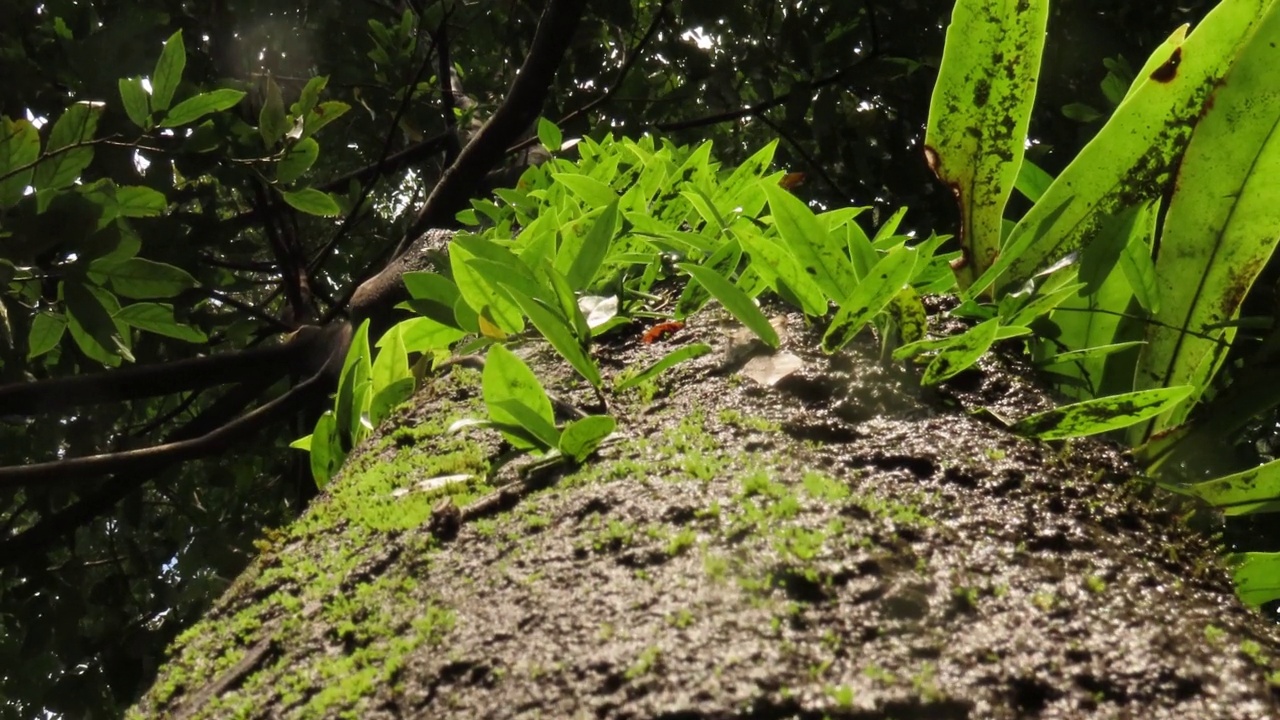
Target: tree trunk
{"type": "Point", "coordinates": [830, 542]}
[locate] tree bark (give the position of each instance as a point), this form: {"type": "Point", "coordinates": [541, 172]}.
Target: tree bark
{"type": "Point", "coordinates": [788, 535]}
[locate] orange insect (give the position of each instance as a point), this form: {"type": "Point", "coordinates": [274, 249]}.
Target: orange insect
{"type": "Point", "coordinates": [661, 329]}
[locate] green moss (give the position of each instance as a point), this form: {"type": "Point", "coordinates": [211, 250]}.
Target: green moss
{"type": "Point", "coordinates": [645, 663]}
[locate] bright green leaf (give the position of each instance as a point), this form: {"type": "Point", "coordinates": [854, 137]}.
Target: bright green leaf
{"type": "Point", "coordinates": [508, 385]}
{"type": "Point", "coordinates": [297, 160]}
{"type": "Point", "coordinates": [876, 290]}
{"type": "Point", "coordinates": [735, 301]}
{"type": "Point", "coordinates": [312, 202]}
{"type": "Point", "coordinates": [979, 113]}
{"type": "Point", "coordinates": [194, 108]}
{"type": "Point", "coordinates": [168, 73]}
{"type": "Point", "coordinates": [582, 436]}
{"type": "Point", "coordinates": [137, 104]}
{"type": "Point", "coordinates": [549, 135]}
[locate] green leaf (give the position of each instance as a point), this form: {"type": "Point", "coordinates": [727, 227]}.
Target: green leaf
{"type": "Point", "coordinates": [1081, 113]}
{"type": "Point", "coordinates": [593, 192]}
{"type": "Point", "coordinates": [1092, 417]}
{"type": "Point", "coordinates": [138, 201]}
{"type": "Point", "coordinates": [46, 332]}
{"type": "Point", "coordinates": [979, 113]}
{"type": "Point", "coordinates": [478, 281]}
{"type": "Point", "coordinates": [312, 202]}
{"type": "Point", "coordinates": [1256, 576]}
{"type": "Point", "coordinates": [297, 160]}
{"type": "Point", "coordinates": [434, 296]}
{"type": "Point", "coordinates": [528, 425]}
{"type": "Point", "coordinates": [142, 279]}
{"type": "Point", "coordinates": [391, 363]}
{"type": "Point", "coordinates": [302, 443]}
{"type": "Point", "coordinates": [668, 361]}
{"type": "Point", "coordinates": [326, 450]}
{"type": "Point", "coordinates": [89, 318]}
{"type": "Point", "coordinates": [514, 396]}
{"type": "Point", "coordinates": [781, 269]}
{"type": "Point", "coordinates": [880, 286]}
{"type": "Point", "coordinates": [586, 258]}
{"type": "Point", "coordinates": [194, 108]}
{"type": "Point", "coordinates": [735, 301]}
{"type": "Point", "coordinates": [19, 146]}
{"type": "Point", "coordinates": [549, 135]}
{"type": "Point", "coordinates": [570, 307]}
{"type": "Point", "coordinates": [1222, 225]}
{"type": "Point", "coordinates": [724, 262]}
{"type": "Point", "coordinates": [388, 398]}
{"type": "Point", "coordinates": [1133, 156]}
{"type": "Point", "coordinates": [309, 96]}
{"type": "Point", "coordinates": [272, 122]}
{"type": "Point", "coordinates": [424, 335]}
{"type": "Point", "coordinates": [558, 332]}
{"type": "Point", "coordinates": [61, 167]}
{"type": "Point", "coordinates": [1032, 181]}
{"type": "Point", "coordinates": [582, 436]}
{"type": "Point", "coordinates": [168, 73]}
{"type": "Point", "coordinates": [137, 104]}
{"type": "Point", "coordinates": [964, 352]}
{"type": "Point", "coordinates": [321, 115]}
{"type": "Point", "coordinates": [1256, 489]}
{"type": "Point", "coordinates": [353, 384]}
{"type": "Point", "coordinates": [820, 252]}
{"type": "Point", "coordinates": [158, 318]}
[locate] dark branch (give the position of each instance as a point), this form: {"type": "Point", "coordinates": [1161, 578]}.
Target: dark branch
{"type": "Point", "coordinates": [516, 113]}
{"type": "Point", "coordinates": [150, 459]}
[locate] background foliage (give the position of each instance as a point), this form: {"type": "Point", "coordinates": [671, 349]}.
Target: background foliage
{"type": "Point", "coordinates": [97, 575]}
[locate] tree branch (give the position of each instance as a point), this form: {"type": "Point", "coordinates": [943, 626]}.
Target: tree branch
{"type": "Point", "coordinates": [150, 459]}
{"type": "Point", "coordinates": [139, 381]}
{"type": "Point", "coordinates": [516, 113]}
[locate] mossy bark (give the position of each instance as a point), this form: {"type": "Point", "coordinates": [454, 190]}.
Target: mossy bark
{"type": "Point", "coordinates": [832, 543]}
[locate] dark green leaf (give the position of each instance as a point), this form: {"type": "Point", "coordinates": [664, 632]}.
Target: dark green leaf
{"type": "Point", "coordinates": [272, 122]}
{"type": "Point", "coordinates": [62, 167]}
{"type": "Point", "coordinates": [142, 279]}
{"type": "Point", "coordinates": [19, 146]}
{"type": "Point", "coordinates": [962, 353]}
{"type": "Point", "coordinates": [434, 296]}
{"type": "Point", "coordinates": [158, 318]}
{"type": "Point", "coordinates": [91, 324]}
{"type": "Point", "coordinates": [326, 450]}
{"type": "Point", "coordinates": [46, 332]}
